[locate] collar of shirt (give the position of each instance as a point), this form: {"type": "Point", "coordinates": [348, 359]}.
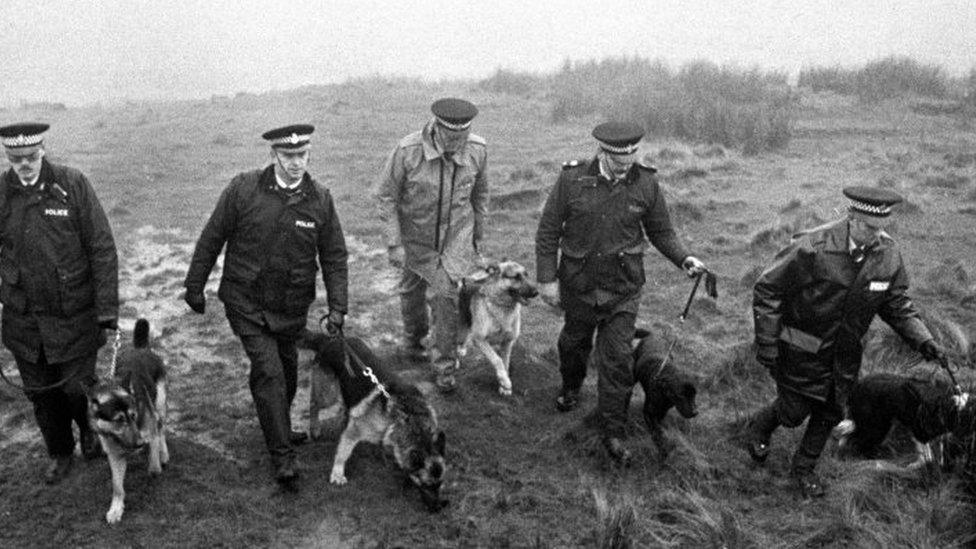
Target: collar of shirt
{"type": "Point", "coordinates": [606, 173]}
{"type": "Point", "coordinates": [433, 151]}
{"type": "Point", "coordinates": [30, 183]}
{"type": "Point", "coordinates": [286, 186]}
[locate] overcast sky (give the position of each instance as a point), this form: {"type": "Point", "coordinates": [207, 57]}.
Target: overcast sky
{"type": "Point", "coordinates": [82, 51]}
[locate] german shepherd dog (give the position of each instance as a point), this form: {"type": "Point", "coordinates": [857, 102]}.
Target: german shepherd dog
{"type": "Point", "coordinates": [382, 409]}
{"type": "Point", "coordinates": [491, 313]}
{"type": "Point", "coordinates": [665, 386]}
{"type": "Point", "coordinates": [928, 409]}
{"type": "Point", "coordinates": [128, 411]}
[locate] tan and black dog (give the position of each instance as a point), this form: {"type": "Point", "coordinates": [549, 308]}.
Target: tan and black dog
{"type": "Point", "coordinates": [128, 412]}
{"type": "Point", "coordinates": [491, 314]}
{"type": "Point", "coordinates": [382, 409]}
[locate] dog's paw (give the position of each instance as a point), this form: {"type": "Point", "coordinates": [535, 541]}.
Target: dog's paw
{"type": "Point", "coordinates": [505, 391]}
{"type": "Point", "coordinates": [337, 478]}
{"type": "Point", "coordinates": [114, 514]}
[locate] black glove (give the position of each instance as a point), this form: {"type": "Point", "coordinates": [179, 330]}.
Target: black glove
{"type": "Point", "coordinates": [932, 351]}
{"type": "Point", "coordinates": [108, 324]}
{"type": "Point", "coordinates": [333, 323]}
{"type": "Point", "coordinates": [196, 301]}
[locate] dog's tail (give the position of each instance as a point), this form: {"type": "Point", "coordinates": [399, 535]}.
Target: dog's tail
{"type": "Point", "coordinates": [140, 337]}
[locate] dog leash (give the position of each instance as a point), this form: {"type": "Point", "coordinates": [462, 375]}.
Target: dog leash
{"type": "Point", "coordinates": [351, 354]}
{"type": "Point", "coordinates": [711, 287]}
{"type": "Point", "coordinates": [25, 389]}
{"type": "Point", "coordinates": [944, 362]}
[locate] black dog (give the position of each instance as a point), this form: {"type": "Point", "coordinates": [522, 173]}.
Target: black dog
{"type": "Point", "coordinates": [664, 388]}
{"type": "Point", "coordinates": [927, 408]}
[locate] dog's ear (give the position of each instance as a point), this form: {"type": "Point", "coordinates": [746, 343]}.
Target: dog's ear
{"type": "Point", "coordinates": [440, 443]}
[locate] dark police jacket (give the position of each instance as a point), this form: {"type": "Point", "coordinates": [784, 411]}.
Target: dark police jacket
{"type": "Point", "coordinates": [58, 265]}
{"type": "Point", "coordinates": [273, 241]}
{"type": "Point", "coordinates": [814, 303]}
{"type": "Point", "coordinates": [599, 231]}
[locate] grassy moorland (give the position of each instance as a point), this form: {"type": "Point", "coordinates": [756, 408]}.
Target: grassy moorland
{"type": "Point", "coordinates": [520, 473]}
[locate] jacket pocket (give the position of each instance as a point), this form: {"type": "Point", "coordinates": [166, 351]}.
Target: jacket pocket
{"type": "Point", "coordinates": [572, 275]}
{"type": "Point", "coordinates": [300, 292]}
{"type": "Point", "coordinates": [75, 290]}
{"type": "Point", "coordinates": [621, 274]}
{"type": "Point", "coordinates": [12, 294]}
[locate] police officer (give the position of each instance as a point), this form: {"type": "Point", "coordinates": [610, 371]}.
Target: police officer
{"type": "Point", "coordinates": [811, 307]}
{"type": "Point", "coordinates": [596, 217]}
{"type": "Point", "coordinates": [434, 203]}
{"type": "Point", "coordinates": [276, 222]}
{"type": "Point", "coordinates": [60, 288]}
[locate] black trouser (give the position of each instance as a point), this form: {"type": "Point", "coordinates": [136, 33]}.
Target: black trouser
{"type": "Point", "coordinates": [273, 382]}
{"type": "Point", "coordinates": [56, 408]}
{"type": "Point", "coordinates": [614, 330]}
{"type": "Point", "coordinates": [789, 410]}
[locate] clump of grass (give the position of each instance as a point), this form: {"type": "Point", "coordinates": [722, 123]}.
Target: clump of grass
{"type": "Point", "coordinates": [779, 235]}
{"type": "Point", "coordinates": [949, 279]}
{"type": "Point", "coordinates": [686, 211]}
{"type": "Point", "coordinates": [513, 83]}
{"type": "Point", "coordinates": [617, 520]}
{"type": "Point", "coordinates": [710, 151]}
{"type": "Point", "coordinates": [888, 182]}
{"type": "Point", "coordinates": [701, 101]}
{"type": "Point", "coordinates": [961, 159]}
{"type": "Point", "coordinates": [893, 76]}
{"type": "Point", "coordinates": [792, 205]}
{"type": "Point", "coordinates": [884, 349]}
{"type": "Point", "coordinates": [950, 180]}
{"type": "Point", "coordinates": [525, 173]}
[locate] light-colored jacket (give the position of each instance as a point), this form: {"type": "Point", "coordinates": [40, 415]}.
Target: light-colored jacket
{"type": "Point", "coordinates": [416, 178]}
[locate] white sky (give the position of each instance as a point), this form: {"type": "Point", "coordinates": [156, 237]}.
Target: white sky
{"type": "Point", "coordinates": [79, 51]}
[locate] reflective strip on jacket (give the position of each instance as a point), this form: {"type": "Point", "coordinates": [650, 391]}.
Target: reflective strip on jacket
{"type": "Point", "coordinates": [58, 264]}
{"type": "Point", "coordinates": [813, 305]}
{"type": "Point", "coordinates": [598, 230]}
{"type": "Point", "coordinates": [415, 176]}
{"type": "Point", "coordinates": [273, 241]}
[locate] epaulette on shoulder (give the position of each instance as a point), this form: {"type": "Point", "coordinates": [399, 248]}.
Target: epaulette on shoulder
{"type": "Point", "coordinates": [647, 167]}
{"type": "Point", "coordinates": [59, 192]}
{"type": "Point", "coordinates": [573, 164]}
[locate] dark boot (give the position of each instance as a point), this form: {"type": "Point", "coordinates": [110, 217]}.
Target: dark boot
{"type": "Point", "coordinates": [59, 469]}
{"type": "Point", "coordinates": [287, 476]}
{"type": "Point", "coordinates": [568, 400]}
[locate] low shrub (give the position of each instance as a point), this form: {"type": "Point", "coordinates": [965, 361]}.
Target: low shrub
{"type": "Point", "coordinates": [700, 102]}
{"type": "Point", "coordinates": [885, 78]}
{"type": "Point", "coordinates": [513, 83]}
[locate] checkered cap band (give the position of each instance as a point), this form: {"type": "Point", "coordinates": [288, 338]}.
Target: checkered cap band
{"type": "Point", "coordinates": [22, 140]}
{"type": "Point", "coordinates": [618, 149]}
{"type": "Point", "coordinates": [452, 126]}
{"type": "Point", "coordinates": [293, 140]}
{"type": "Point", "coordinates": [870, 209]}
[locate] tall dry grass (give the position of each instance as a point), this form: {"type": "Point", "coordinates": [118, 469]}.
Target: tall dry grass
{"type": "Point", "coordinates": [882, 79]}
{"type": "Point", "coordinates": [701, 101]}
